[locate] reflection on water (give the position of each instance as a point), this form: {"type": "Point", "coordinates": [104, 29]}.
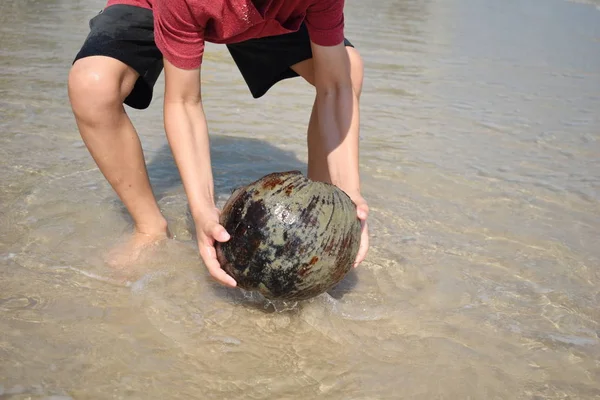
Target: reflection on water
{"type": "Point", "coordinates": [481, 164]}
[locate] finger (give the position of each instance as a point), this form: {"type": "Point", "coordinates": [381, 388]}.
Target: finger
{"type": "Point", "coordinates": [364, 246]}
{"type": "Point", "coordinates": [362, 253]}
{"type": "Point", "coordinates": [221, 276]}
{"type": "Point", "coordinates": [209, 257]}
{"type": "Point", "coordinates": [218, 232]}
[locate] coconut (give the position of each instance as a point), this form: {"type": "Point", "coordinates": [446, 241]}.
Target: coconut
{"type": "Point", "coordinates": [291, 238]}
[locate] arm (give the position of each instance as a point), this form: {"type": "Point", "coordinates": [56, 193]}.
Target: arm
{"type": "Point", "coordinates": [336, 102]}
{"type": "Point", "coordinates": [337, 107]}
{"type": "Point", "coordinates": [187, 133]}
{"type": "Point", "coordinates": [181, 40]}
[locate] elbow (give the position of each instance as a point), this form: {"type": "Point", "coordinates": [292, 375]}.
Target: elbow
{"type": "Point", "coordinates": [187, 99]}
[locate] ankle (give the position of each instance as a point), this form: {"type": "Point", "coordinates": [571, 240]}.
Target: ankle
{"type": "Point", "coordinates": [155, 228]}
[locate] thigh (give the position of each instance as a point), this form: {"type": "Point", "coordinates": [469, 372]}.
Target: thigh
{"type": "Point", "coordinates": [126, 33]}
{"type": "Point", "coordinates": [265, 61]}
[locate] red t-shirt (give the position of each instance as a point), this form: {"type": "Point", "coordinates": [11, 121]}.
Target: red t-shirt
{"type": "Point", "coordinates": [181, 27]}
{"type": "Point", "coordinates": [137, 3]}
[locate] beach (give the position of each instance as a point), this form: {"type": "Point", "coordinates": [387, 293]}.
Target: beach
{"type": "Point", "coordinates": [480, 160]}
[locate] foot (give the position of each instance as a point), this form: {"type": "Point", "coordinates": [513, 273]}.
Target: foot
{"type": "Point", "coordinates": [138, 248]}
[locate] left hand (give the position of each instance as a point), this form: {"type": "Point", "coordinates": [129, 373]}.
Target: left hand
{"type": "Point", "coordinates": [362, 211]}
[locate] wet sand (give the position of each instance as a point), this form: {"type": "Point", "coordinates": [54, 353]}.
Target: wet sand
{"type": "Point", "coordinates": [480, 159]}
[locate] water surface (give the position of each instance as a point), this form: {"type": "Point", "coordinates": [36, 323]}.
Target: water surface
{"type": "Point", "coordinates": [480, 159]}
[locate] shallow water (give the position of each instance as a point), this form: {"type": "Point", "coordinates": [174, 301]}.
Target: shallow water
{"type": "Point", "coordinates": [481, 164]}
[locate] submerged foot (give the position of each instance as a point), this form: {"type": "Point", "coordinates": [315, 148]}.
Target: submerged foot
{"type": "Point", "coordinates": [136, 249]}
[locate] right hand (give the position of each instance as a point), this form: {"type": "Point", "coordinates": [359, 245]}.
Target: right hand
{"type": "Point", "coordinates": [362, 211]}
{"type": "Point", "coordinates": [208, 231]}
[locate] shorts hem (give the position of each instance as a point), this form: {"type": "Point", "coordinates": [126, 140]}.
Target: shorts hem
{"type": "Point", "coordinates": [258, 90]}
{"type": "Point", "coordinates": [125, 33]}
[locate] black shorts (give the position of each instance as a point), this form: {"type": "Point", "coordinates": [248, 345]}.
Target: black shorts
{"type": "Point", "coordinates": [126, 33]}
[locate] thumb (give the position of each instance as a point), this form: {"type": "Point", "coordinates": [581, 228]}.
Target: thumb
{"type": "Point", "coordinates": [219, 233]}
{"type": "Point", "coordinates": [362, 211]}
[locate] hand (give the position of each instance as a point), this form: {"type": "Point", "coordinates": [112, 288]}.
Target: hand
{"type": "Point", "coordinates": [362, 211]}
{"type": "Point", "coordinates": [208, 230]}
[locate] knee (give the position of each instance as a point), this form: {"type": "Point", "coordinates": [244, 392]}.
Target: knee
{"type": "Point", "coordinates": [94, 89]}
{"type": "Point", "coordinates": [356, 70]}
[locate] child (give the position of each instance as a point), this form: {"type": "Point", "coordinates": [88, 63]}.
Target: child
{"type": "Point", "coordinates": [132, 41]}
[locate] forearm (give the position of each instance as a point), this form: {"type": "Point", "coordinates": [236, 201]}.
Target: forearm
{"type": "Point", "coordinates": [338, 114]}
{"type": "Point", "coordinates": [187, 133]}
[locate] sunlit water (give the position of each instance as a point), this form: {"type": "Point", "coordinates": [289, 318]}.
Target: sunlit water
{"type": "Point", "coordinates": [480, 159]}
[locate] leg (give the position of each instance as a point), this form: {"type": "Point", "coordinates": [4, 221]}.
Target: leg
{"type": "Point", "coordinates": [98, 86]}
{"type": "Point", "coordinates": [317, 157]}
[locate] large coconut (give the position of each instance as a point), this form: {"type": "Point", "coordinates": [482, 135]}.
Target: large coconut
{"type": "Point", "coordinates": [291, 238]}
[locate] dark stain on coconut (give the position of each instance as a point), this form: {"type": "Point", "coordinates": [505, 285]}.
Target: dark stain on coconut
{"type": "Point", "coordinates": [288, 190]}
{"type": "Point", "coordinates": [293, 239]}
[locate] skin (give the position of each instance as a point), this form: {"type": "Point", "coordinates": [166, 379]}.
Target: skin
{"type": "Point", "coordinates": [318, 160]}
{"type": "Point", "coordinates": [97, 88]}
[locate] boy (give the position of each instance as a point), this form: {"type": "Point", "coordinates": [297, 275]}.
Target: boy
{"type": "Point", "coordinates": [132, 41]}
